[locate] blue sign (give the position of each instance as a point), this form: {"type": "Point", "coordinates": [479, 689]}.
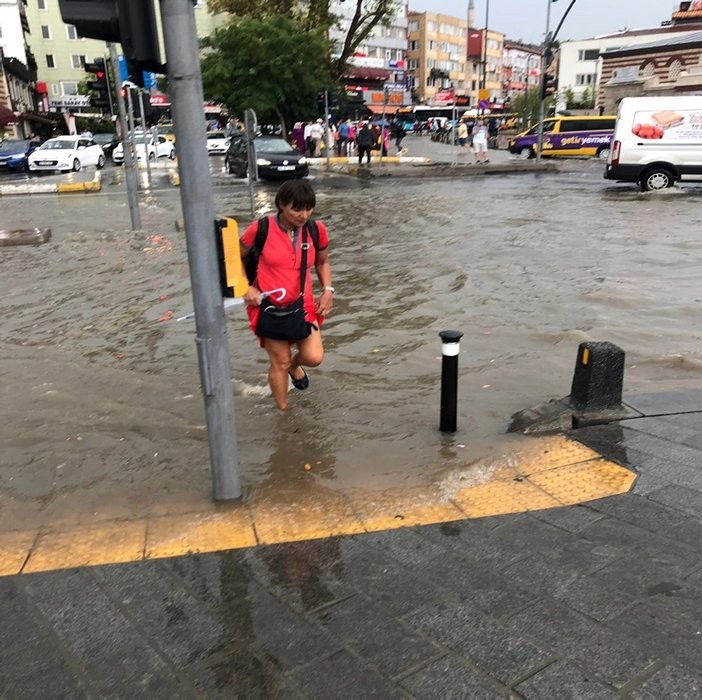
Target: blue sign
{"type": "Point", "coordinates": [149, 80]}
{"type": "Point", "coordinates": [123, 72]}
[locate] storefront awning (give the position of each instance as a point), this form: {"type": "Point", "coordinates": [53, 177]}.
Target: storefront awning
{"type": "Point", "coordinates": [7, 116]}
{"type": "Point", "coordinates": [379, 109]}
{"type": "Point", "coordinates": [32, 117]}
{"type": "Point", "coordinates": [366, 73]}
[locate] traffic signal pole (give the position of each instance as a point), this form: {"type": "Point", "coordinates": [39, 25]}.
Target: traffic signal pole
{"type": "Point", "coordinates": [129, 169]}
{"type": "Point", "coordinates": [185, 87]}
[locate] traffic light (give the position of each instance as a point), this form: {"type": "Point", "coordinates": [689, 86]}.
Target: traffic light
{"type": "Point", "coordinates": [131, 23]}
{"type": "Point", "coordinates": [100, 85]}
{"type": "Point", "coordinates": [549, 86]}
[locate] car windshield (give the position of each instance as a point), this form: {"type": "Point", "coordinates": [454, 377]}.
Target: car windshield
{"type": "Point", "coordinates": [164, 129]}
{"type": "Point", "coordinates": [216, 135]}
{"type": "Point", "coordinates": [14, 146]}
{"type": "Point", "coordinates": [103, 138]}
{"type": "Point", "coordinates": [273, 146]}
{"type": "Point", "coordinates": [57, 144]}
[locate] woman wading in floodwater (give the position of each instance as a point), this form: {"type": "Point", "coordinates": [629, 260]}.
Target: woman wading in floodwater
{"type": "Point", "coordinates": [292, 247]}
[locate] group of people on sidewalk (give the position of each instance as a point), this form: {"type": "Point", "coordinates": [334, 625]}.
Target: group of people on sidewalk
{"type": "Point", "coordinates": [479, 144]}
{"type": "Point", "coordinates": [347, 138]}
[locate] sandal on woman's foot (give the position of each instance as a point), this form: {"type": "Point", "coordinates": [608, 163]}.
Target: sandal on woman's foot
{"type": "Point", "coordinates": [301, 383]}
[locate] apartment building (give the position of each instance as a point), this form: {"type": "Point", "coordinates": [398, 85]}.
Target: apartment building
{"type": "Point", "coordinates": [61, 54]}
{"type": "Point", "coordinates": [521, 68]}
{"type": "Point", "coordinates": [437, 58]}
{"type": "Point", "coordinates": [377, 74]}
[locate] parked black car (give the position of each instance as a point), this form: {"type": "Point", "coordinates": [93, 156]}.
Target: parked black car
{"type": "Point", "coordinates": [275, 157]}
{"type": "Point", "coordinates": [107, 142]}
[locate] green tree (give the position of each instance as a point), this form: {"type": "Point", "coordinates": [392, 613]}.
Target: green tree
{"type": "Point", "coordinates": [269, 65]}
{"type": "Point", "coordinates": [588, 98]}
{"type": "Point", "coordinates": [526, 105]}
{"type": "Point", "coordinates": [317, 15]}
{"type": "Point", "coordinates": [569, 97]}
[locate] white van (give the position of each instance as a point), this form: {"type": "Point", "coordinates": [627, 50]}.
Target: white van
{"type": "Point", "coordinates": [657, 141]}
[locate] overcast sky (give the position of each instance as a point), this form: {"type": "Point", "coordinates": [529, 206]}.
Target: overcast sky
{"type": "Point", "coordinates": [526, 19]}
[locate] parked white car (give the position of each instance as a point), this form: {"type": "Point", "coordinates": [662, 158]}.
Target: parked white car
{"type": "Point", "coordinates": [156, 147]}
{"type": "Point", "coordinates": [217, 142]}
{"type": "Point", "coordinates": [67, 153]}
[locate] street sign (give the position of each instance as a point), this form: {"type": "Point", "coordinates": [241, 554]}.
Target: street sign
{"type": "Point", "coordinates": [484, 95]}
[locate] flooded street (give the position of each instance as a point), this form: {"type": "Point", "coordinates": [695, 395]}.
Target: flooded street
{"type": "Point", "coordinates": [103, 412]}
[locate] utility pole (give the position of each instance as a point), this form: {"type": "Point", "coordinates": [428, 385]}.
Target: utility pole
{"type": "Point", "coordinates": [129, 169]}
{"type": "Point", "coordinates": [485, 44]}
{"type": "Point", "coordinates": [185, 80]}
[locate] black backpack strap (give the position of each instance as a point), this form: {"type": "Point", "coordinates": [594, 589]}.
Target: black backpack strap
{"type": "Point", "coordinates": [251, 260]}
{"type": "Point", "coordinates": [303, 259]}
{"type": "Point", "coordinates": [313, 230]}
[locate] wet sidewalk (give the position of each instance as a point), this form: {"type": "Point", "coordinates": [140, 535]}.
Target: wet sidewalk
{"type": "Point", "coordinates": [596, 600]}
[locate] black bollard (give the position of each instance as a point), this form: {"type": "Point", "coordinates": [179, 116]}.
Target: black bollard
{"type": "Point", "coordinates": [450, 347]}
{"type": "Point", "coordinates": [598, 377]}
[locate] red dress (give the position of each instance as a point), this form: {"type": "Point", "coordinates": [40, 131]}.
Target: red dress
{"type": "Point", "coordinates": [279, 266]}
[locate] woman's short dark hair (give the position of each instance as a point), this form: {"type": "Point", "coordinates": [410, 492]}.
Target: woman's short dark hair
{"type": "Point", "coordinates": [299, 193]}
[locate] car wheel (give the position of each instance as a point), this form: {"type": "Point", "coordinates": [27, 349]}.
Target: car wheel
{"type": "Point", "coordinates": [76, 165]}
{"type": "Point", "coordinates": [101, 163]}
{"type": "Point", "coordinates": [656, 179]}
{"type": "Point", "coordinates": [603, 153]}
{"type": "Point", "coordinates": [526, 153]}
{"type": "Point", "coordinates": [152, 156]}
{"type": "Point", "coordinates": [171, 155]}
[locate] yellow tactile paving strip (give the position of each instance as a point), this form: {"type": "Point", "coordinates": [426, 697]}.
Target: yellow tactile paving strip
{"type": "Point", "coordinates": [546, 473]}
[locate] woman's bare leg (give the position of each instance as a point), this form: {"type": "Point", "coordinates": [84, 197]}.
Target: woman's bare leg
{"type": "Point", "coordinates": [279, 356]}
{"type": "Point", "coordinates": [310, 353]}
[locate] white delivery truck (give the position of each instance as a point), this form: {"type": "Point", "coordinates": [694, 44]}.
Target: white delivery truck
{"type": "Point", "coordinates": [657, 141]}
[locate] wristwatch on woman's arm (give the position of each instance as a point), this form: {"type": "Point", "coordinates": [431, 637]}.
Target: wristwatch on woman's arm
{"type": "Point", "coordinates": [328, 289]}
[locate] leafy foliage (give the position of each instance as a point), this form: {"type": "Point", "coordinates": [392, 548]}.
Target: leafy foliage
{"type": "Point", "coordinates": [317, 15]}
{"type": "Point", "coordinates": [270, 65]}
{"type": "Point", "coordinates": [526, 105]}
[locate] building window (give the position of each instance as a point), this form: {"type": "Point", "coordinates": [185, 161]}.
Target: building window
{"type": "Point", "coordinates": [586, 79]}
{"type": "Point", "coordinates": [649, 70]}
{"type": "Point", "coordinates": [41, 4]}
{"type": "Point", "coordinates": [69, 87]}
{"type": "Point", "coordinates": [588, 54]}
{"type": "Point", "coordinates": [77, 61]}
{"type": "Point", "coordinates": [414, 45]}
{"type": "Point", "coordinates": [72, 32]}
{"type": "Point", "coordinates": [674, 70]}
{"type": "Point", "coordinates": [45, 31]}
{"type": "Point", "coordinates": [50, 63]}
{"type": "Point", "coordinates": [55, 89]}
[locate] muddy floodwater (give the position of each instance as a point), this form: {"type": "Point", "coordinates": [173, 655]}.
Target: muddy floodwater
{"type": "Point", "coordinates": [102, 410]}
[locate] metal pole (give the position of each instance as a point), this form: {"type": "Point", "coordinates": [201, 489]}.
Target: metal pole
{"type": "Point", "coordinates": [542, 101]}
{"type": "Point", "coordinates": [185, 81]}
{"type": "Point", "coordinates": [327, 148]}
{"type": "Point", "coordinates": [485, 42]}
{"type": "Point", "coordinates": [130, 117]}
{"type": "Point", "coordinates": [382, 124]}
{"type": "Point", "coordinates": [450, 347]}
{"type": "Point", "coordinates": [108, 68]}
{"type": "Point", "coordinates": [142, 118]}
{"type": "Point", "coordinates": [129, 170]}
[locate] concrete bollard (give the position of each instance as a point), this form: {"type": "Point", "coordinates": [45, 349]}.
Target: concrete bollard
{"type": "Point", "coordinates": [450, 347]}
